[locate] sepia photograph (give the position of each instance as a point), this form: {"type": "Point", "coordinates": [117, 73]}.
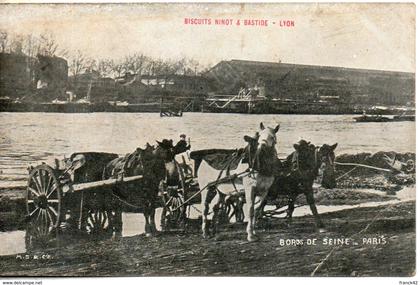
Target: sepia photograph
{"type": "Point", "coordinates": [207, 139]}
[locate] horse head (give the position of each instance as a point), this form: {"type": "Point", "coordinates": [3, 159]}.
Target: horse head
{"type": "Point", "coordinates": [251, 147]}
{"type": "Point", "coordinates": [261, 150]}
{"type": "Point", "coordinates": [326, 158]}
{"type": "Point", "coordinates": [267, 136]}
{"type": "Point", "coordinates": [165, 150]}
{"type": "Point", "coordinates": [252, 142]}
{"type": "Point", "coordinates": [304, 159]}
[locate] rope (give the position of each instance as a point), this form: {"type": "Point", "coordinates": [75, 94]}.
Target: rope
{"type": "Point", "coordinates": [348, 172]}
{"type": "Point", "coordinates": [356, 165]}
{"type": "Point", "coordinates": [127, 203]}
{"type": "Point", "coordinates": [272, 213]}
{"type": "Point", "coordinates": [195, 208]}
{"type": "Point", "coordinates": [363, 165]}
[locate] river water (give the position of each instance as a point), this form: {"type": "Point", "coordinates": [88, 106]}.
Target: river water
{"type": "Point", "coordinates": [31, 138]}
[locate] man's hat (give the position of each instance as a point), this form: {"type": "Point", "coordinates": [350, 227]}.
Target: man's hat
{"type": "Point", "coordinates": [303, 142]}
{"type": "Point", "coordinates": [166, 143]}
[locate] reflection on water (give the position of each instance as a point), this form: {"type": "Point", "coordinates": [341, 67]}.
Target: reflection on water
{"type": "Point", "coordinates": [29, 138]}
{"type": "Point", "coordinates": [133, 223]}
{"type": "Point", "coordinates": [12, 242]}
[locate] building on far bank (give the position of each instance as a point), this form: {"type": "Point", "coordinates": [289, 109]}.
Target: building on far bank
{"type": "Point", "coordinates": [188, 85]}
{"type": "Point", "coordinates": [131, 89]}
{"type": "Point", "coordinates": [310, 83]}
{"type": "Point", "coordinates": [92, 86]}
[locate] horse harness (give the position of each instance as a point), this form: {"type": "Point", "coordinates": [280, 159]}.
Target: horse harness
{"type": "Point", "coordinates": [237, 155]}
{"type": "Point", "coordinates": [296, 164]}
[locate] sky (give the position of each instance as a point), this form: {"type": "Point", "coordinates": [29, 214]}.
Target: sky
{"type": "Point", "coordinates": [371, 36]}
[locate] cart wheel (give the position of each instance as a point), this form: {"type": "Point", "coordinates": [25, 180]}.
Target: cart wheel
{"type": "Point", "coordinates": [233, 208]}
{"type": "Point", "coordinates": [98, 222]}
{"type": "Point", "coordinates": [43, 205]}
{"type": "Point", "coordinates": [225, 212]}
{"type": "Point", "coordinates": [173, 214]}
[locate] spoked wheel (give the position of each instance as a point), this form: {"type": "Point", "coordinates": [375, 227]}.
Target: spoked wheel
{"type": "Point", "coordinates": [43, 205]}
{"type": "Point", "coordinates": [173, 211]}
{"type": "Point", "coordinates": [98, 222]}
{"type": "Point", "coordinates": [225, 212]}
{"type": "Point", "coordinates": [234, 208]}
{"type": "Point", "coordinates": [281, 207]}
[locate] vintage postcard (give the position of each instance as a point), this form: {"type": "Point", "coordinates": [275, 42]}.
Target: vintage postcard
{"type": "Point", "coordinates": [207, 139]}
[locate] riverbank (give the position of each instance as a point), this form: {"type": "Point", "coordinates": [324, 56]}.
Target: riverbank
{"type": "Point", "coordinates": [13, 207]}
{"type": "Point", "coordinates": [187, 254]}
{"type": "Point", "coordinates": [370, 211]}
{"type": "Point", "coordinates": [355, 186]}
{"type": "Point", "coordinates": [193, 105]}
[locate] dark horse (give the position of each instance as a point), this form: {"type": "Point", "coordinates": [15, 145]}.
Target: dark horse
{"type": "Point", "coordinates": [172, 172]}
{"type": "Point", "coordinates": [298, 173]}
{"type": "Point", "coordinates": [142, 194]}
{"type": "Point", "coordinates": [173, 181]}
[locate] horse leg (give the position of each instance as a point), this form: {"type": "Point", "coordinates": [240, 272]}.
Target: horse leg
{"type": "Point", "coordinates": [147, 224]}
{"type": "Point", "coordinates": [290, 209]}
{"type": "Point", "coordinates": [146, 214]}
{"type": "Point", "coordinates": [261, 209]}
{"type": "Point", "coordinates": [229, 207]}
{"type": "Point", "coordinates": [240, 215]}
{"type": "Point", "coordinates": [216, 212]}
{"type": "Point", "coordinates": [163, 218]}
{"type": "Point", "coordinates": [311, 201]}
{"type": "Point", "coordinates": [153, 228]}
{"type": "Point", "coordinates": [259, 203]}
{"type": "Point", "coordinates": [163, 215]}
{"type": "Point", "coordinates": [250, 199]}
{"type": "Point", "coordinates": [205, 207]}
{"type": "Point", "coordinates": [117, 223]}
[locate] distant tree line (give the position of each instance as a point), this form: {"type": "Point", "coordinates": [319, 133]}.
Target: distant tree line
{"type": "Point", "coordinates": [78, 62]}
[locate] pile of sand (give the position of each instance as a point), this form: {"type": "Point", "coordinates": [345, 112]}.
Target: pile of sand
{"type": "Point", "coordinates": [361, 177]}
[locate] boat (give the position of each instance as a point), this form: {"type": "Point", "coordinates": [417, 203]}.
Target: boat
{"type": "Point", "coordinates": [381, 119]}
{"type": "Point", "coordinates": [372, 118]}
{"type": "Point", "coordinates": [402, 118]}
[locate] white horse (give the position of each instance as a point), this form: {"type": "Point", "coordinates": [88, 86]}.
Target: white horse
{"type": "Point", "coordinates": [255, 178]}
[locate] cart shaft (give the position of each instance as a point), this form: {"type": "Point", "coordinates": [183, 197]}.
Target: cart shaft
{"type": "Point", "coordinates": [102, 183]}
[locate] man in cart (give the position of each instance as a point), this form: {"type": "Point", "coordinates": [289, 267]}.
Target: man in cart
{"type": "Point", "coordinates": [182, 145]}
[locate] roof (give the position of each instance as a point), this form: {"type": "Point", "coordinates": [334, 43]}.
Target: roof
{"type": "Point", "coordinates": [129, 80]}
{"type": "Point", "coordinates": [280, 65]}
{"type": "Point", "coordinates": [172, 76]}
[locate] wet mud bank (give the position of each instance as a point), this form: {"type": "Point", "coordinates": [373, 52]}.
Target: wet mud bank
{"type": "Point", "coordinates": [374, 210]}
{"type": "Point", "coordinates": [377, 236]}
{"type": "Point", "coordinates": [12, 208]}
